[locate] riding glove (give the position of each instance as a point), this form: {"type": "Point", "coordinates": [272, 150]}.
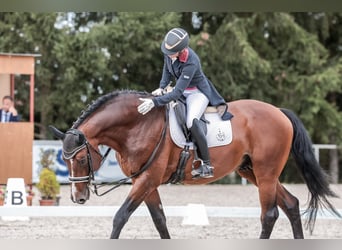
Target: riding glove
{"type": "Point", "coordinates": [158, 92]}
{"type": "Point", "coordinates": [146, 106]}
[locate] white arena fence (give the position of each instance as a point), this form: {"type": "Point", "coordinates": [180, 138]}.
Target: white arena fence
{"type": "Point", "coordinates": [170, 211]}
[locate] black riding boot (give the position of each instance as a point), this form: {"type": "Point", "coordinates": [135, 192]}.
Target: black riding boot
{"type": "Point", "coordinates": [198, 136]}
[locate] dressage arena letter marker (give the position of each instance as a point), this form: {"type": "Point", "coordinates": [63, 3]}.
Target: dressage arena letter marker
{"type": "Point", "coordinates": [15, 197]}
{"type": "Point", "coordinates": [196, 214]}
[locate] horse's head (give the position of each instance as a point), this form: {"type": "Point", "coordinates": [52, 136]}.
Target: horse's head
{"type": "Point", "coordinates": [82, 160]}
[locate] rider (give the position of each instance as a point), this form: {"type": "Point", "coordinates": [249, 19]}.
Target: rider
{"type": "Point", "coordinates": [182, 63]}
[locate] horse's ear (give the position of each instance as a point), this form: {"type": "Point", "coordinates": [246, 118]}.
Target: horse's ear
{"type": "Point", "coordinates": [57, 133]}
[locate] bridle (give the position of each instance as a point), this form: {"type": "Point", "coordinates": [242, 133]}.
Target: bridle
{"type": "Point", "coordinates": [85, 145]}
{"type": "Point", "coordinates": [90, 178]}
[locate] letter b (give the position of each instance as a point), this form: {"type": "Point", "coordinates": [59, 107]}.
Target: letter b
{"type": "Point", "coordinates": [17, 198]}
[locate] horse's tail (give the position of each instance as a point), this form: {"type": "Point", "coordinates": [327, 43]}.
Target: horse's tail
{"type": "Point", "coordinates": [314, 176]}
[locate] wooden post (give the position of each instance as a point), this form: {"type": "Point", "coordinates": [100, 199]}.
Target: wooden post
{"type": "Point", "coordinates": [12, 85]}
{"type": "Point", "coordinates": [32, 98]}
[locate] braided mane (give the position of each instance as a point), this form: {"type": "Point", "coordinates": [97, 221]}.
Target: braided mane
{"type": "Point", "coordinates": [99, 102]}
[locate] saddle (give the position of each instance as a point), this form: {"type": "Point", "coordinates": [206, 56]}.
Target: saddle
{"type": "Point", "coordinates": [217, 129]}
{"type": "Point", "coordinates": [215, 122]}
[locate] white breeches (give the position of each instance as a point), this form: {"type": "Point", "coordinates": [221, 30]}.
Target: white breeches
{"type": "Point", "coordinates": [196, 103]}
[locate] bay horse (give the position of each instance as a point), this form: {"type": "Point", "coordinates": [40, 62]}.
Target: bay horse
{"type": "Point", "coordinates": [263, 137]}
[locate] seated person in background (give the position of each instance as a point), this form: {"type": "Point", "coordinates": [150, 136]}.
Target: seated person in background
{"type": "Point", "coordinates": [8, 113]}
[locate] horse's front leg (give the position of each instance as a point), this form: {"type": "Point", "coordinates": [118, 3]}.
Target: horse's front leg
{"type": "Point", "coordinates": [122, 216]}
{"type": "Point", "coordinates": [155, 207]}
{"type": "Point", "coordinates": [133, 200]}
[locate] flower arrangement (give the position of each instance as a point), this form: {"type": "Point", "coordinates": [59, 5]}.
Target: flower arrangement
{"type": "Point", "coordinates": [2, 192]}
{"type": "Point", "coordinates": [29, 194]}
{"type": "Point", "coordinates": [29, 190]}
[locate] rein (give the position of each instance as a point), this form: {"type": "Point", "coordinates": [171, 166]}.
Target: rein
{"type": "Point", "coordinates": [91, 176]}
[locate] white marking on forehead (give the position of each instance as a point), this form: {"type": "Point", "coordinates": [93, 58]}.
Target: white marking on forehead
{"type": "Point", "coordinates": [73, 186]}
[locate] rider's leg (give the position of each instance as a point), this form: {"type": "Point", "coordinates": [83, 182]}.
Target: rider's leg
{"type": "Point", "coordinates": [197, 133]}
{"type": "Point", "coordinates": [196, 104]}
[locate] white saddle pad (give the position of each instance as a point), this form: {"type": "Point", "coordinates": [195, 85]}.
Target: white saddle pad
{"type": "Point", "coordinates": [219, 132]}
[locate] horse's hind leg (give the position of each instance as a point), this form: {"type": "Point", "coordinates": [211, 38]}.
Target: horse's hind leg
{"type": "Point", "coordinates": [269, 209]}
{"type": "Point", "coordinates": [155, 207]}
{"type": "Point", "coordinates": [267, 197]}
{"type": "Point", "coordinates": [290, 205]}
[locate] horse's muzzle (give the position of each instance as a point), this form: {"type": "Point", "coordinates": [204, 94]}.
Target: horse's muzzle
{"type": "Point", "coordinates": [80, 197]}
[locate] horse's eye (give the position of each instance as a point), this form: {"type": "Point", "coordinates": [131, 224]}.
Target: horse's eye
{"type": "Point", "coordinates": [83, 161]}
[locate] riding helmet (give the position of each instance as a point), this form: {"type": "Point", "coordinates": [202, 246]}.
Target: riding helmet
{"type": "Point", "coordinates": [175, 40]}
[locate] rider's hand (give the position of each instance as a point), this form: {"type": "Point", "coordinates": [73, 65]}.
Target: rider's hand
{"type": "Point", "coordinates": [146, 106]}
{"type": "Point", "coordinates": [158, 92]}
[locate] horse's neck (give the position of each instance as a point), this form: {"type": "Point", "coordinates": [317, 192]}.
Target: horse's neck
{"type": "Point", "coordinates": [144, 130]}
{"type": "Point", "coordinates": [136, 142]}
{"type": "Point", "coordinates": [123, 128]}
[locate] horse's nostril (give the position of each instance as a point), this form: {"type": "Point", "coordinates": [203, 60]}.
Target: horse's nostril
{"type": "Point", "coordinates": [81, 201]}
